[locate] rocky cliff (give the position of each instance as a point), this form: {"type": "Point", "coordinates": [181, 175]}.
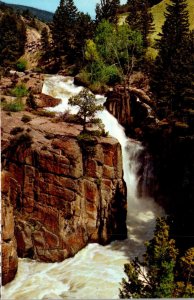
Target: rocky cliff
{"type": "Point", "coordinates": [167, 165]}
{"type": "Point", "coordinates": [59, 198]}
{"type": "Point", "coordinates": [131, 106]}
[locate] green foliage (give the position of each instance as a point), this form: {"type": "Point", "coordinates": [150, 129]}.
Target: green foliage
{"type": "Point", "coordinates": [86, 102]}
{"type": "Point", "coordinates": [84, 31]}
{"type": "Point", "coordinates": [140, 18]}
{"type": "Point", "coordinates": [13, 37]}
{"type": "Point", "coordinates": [21, 65]}
{"type": "Point", "coordinates": [45, 45]}
{"type": "Point", "coordinates": [19, 91]}
{"type": "Point", "coordinates": [172, 76]}
{"type": "Point", "coordinates": [70, 29]}
{"type": "Point", "coordinates": [14, 106]}
{"type": "Point", "coordinates": [113, 53]}
{"type": "Point", "coordinates": [107, 10]}
{"type": "Point", "coordinates": [156, 276]}
{"type": "Point", "coordinates": [91, 53]}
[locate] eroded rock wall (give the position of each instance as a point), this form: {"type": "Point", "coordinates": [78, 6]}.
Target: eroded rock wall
{"type": "Point", "coordinates": [62, 198]}
{"type": "Point", "coordinates": [9, 253]}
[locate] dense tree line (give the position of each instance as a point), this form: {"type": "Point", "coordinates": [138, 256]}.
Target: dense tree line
{"type": "Point", "coordinates": [140, 18]}
{"type": "Point", "coordinates": [70, 29]}
{"type": "Point", "coordinates": [172, 77]}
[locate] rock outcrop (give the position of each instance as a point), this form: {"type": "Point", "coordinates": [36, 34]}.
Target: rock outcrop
{"type": "Point", "coordinates": [167, 164]}
{"type": "Point", "coordinates": [9, 253]}
{"type": "Point", "coordinates": [131, 106]}
{"type": "Point", "coordinates": [62, 198]}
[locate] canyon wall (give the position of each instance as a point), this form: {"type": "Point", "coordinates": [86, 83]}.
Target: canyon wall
{"type": "Point", "coordinates": [60, 194]}
{"type": "Point", "coordinates": [167, 164]}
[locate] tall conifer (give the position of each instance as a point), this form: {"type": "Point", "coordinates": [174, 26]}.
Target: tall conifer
{"type": "Point", "coordinates": [140, 18]}
{"type": "Point", "coordinates": [107, 10]}
{"type": "Point", "coordinates": [63, 29]}
{"type": "Point", "coordinates": [172, 73]}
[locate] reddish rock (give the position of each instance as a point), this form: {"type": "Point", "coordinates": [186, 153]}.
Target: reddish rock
{"type": "Point", "coordinates": [43, 100]}
{"type": "Point", "coordinates": [9, 253]}
{"type": "Point", "coordinates": [61, 202]}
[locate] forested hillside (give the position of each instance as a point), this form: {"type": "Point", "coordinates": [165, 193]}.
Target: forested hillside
{"type": "Point", "coordinates": [38, 13]}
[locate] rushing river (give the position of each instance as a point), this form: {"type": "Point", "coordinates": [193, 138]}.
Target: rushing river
{"type": "Point", "coordinates": [96, 271]}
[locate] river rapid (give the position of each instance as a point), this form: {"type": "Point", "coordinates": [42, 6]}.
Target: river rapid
{"type": "Point", "coordinates": [96, 271]}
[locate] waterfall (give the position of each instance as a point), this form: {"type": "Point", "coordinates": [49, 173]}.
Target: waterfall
{"type": "Point", "coordinates": [96, 271]}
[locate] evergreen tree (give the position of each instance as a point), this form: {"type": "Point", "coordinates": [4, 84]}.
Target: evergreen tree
{"type": "Point", "coordinates": [86, 102]}
{"type": "Point", "coordinates": [63, 30]}
{"type": "Point", "coordinates": [84, 31]}
{"type": "Point", "coordinates": [45, 45]}
{"type": "Point", "coordinates": [107, 10]}
{"type": "Point", "coordinates": [13, 37]}
{"type": "Point", "coordinates": [161, 274]}
{"type": "Point", "coordinates": [172, 75]}
{"type": "Point", "coordinates": [140, 18]}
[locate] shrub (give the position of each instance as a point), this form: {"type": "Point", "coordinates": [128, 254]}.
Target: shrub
{"type": "Point", "coordinates": [21, 139]}
{"type": "Point", "coordinates": [26, 119]}
{"type": "Point", "coordinates": [21, 65]}
{"type": "Point", "coordinates": [87, 143]}
{"type": "Point", "coordinates": [16, 130]}
{"type": "Point", "coordinates": [14, 106]}
{"type": "Point", "coordinates": [111, 75]}
{"type": "Point", "coordinates": [19, 91]}
{"type": "Point", "coordinates": [31, 102]}
{"type": "Point", "coordinates": [44, 113]}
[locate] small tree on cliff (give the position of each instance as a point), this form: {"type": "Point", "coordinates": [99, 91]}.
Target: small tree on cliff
{"type": "Point", "coordinates": [86, 102]}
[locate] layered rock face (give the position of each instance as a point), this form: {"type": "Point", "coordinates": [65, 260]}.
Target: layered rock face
{"type": "Point", "coordinates": [9, 253]}
{"type": "Point", "coordinates": [63, 196]}
{"type": "Point", "coordinates": [132, 107]}
{"type": "Point", "coordinates": [167, 165]}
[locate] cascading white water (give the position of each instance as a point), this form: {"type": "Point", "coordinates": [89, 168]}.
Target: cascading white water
{"type": "Point", "coordinates": [96, 271]}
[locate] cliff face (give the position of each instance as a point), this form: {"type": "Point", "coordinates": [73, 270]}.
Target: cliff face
{"type": "Point", "coordinates": [61, 198]}
{"type": "Point", "coordinates": [9, 253]}
{"type": "Point", "coordinates": [169, 175]}
{"type": "Point", "coordinates": [132, 107]}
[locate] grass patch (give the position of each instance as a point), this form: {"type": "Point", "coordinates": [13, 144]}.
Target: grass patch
{"type": "Point", "coordinates": [14, 106]}
{"type": "Point", "coordinates": [19, 91]}
{"type": "Point", "coordinates": [44, 113]}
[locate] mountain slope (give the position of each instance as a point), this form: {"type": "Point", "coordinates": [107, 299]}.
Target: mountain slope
{"type": "Point", "coordinates": [159, 18]}
{"type": "Point", "coordinates": [40, 14]}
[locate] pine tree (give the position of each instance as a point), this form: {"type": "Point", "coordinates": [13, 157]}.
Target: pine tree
{"type": "Point", "coordinates": [45, 45]}
{"type": "Point", "coordinates": [63, 30]}
{"type": "Point", "coordinates": [140, 18]}
{"type": "Point", "coordinates": [13, 37]}
{"type": "Point", "coordinates": [84, 31]}
{"type": "Point", "coordinates": [86, 102]}
{"type": "Point", "coordinates": [162, 273]}
{"type": "Point", "coordinates": [172, 76]}
{"type": "Point", "coordinates": [154, 277]}
{"type": "Point", "coordinates": [107, 9]}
